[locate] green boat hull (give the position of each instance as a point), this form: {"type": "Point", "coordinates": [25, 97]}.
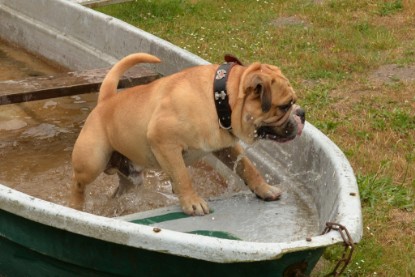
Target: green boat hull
{"type": "Point", "coordinates": [32, 249]}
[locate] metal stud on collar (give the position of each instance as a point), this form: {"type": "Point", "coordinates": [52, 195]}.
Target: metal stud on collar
{"type": "Point", "coordinates": [223, 127]}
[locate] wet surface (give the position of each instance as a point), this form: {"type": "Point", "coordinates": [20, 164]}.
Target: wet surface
{"type": "Point", "coordinates": [36, 141]}
{"type": "Point", "coordinates": [245, 217]}
{"type": "Point", "coordinates": [17, 64]}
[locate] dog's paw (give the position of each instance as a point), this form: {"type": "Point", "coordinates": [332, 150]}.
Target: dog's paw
{"type": "Point", "coordinates": [194, 205]}
{"type": "Point", "coordinates": [76, 202]}
{"type": "Point", "coordinates": [267, 192]}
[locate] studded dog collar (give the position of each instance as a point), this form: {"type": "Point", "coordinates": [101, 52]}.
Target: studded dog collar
{"type": "Point", "coordinates": [221, 95]}
{"type": "Point", "coordinates": [220, 92]}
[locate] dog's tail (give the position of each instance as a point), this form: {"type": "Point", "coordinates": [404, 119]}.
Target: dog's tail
{"type": "Point", "coordinates": [110, 83]}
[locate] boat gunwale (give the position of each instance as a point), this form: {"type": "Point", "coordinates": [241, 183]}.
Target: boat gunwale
{"type": "Point", "coordinates": [349, 212]}
{"type": "Point", "coordinates": [145, 237]}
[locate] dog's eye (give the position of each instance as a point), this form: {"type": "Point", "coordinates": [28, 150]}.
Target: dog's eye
{"type": "Point", "coordinates": [284, 108]}
{"type": "Point", "coordinates": [287, 107]}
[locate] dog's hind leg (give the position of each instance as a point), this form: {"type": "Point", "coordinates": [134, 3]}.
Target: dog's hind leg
{"type": "Point", "coordinates": [89, 158]}
{"type": "Point", "coordinates": [126, 183]}
{"type": "Point", "coordinates": [129, 175]}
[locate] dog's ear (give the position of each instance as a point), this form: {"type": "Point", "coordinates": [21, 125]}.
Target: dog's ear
{"type": "Point", "coordinates": [262, 87]}
{"type": "Point", "coordinates": [229, 58]}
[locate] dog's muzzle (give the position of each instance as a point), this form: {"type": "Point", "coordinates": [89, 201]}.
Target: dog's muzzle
{"type": "Point", "coordinates": [293, 127]}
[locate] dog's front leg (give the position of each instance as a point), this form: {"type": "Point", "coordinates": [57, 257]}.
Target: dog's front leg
{"type": "Point", "coordinates": [248, 172]}
{"type": "Point", "coordinates": [171, 161]}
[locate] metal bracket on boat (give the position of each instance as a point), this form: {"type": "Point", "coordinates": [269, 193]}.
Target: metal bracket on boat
{"type": "Point", "coordinates": [348, 247]}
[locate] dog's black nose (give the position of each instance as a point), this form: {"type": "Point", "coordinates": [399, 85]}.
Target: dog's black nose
{"type": "Point", "coordinates": [301, 114]}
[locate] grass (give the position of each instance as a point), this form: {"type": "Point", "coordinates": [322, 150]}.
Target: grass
{"type": "Point", "coordinates": [328, 50]}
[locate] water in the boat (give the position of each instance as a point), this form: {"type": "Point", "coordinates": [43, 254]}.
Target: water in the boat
{"type": "Point", "coordinates": [18, 64]}
{"type": "Point", "coordinates": [36, 141]}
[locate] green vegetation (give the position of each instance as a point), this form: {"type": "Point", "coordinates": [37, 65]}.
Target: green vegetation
{"type": "Point", "coordinates": [329, 50]}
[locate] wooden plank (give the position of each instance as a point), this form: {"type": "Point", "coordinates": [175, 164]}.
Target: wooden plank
{"type": "Point", "coordinates": [67, 84]}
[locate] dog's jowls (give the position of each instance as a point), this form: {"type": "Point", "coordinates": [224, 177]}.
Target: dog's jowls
{"type": "Point", "coordinates": [171, 122]}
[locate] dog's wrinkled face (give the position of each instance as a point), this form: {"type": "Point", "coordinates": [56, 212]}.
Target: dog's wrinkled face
{"type": "Point", "coordinates": [270, 111]}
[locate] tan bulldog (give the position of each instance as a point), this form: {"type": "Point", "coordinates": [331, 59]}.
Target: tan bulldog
{"type": "Point", "coordinates": [173, 121]}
